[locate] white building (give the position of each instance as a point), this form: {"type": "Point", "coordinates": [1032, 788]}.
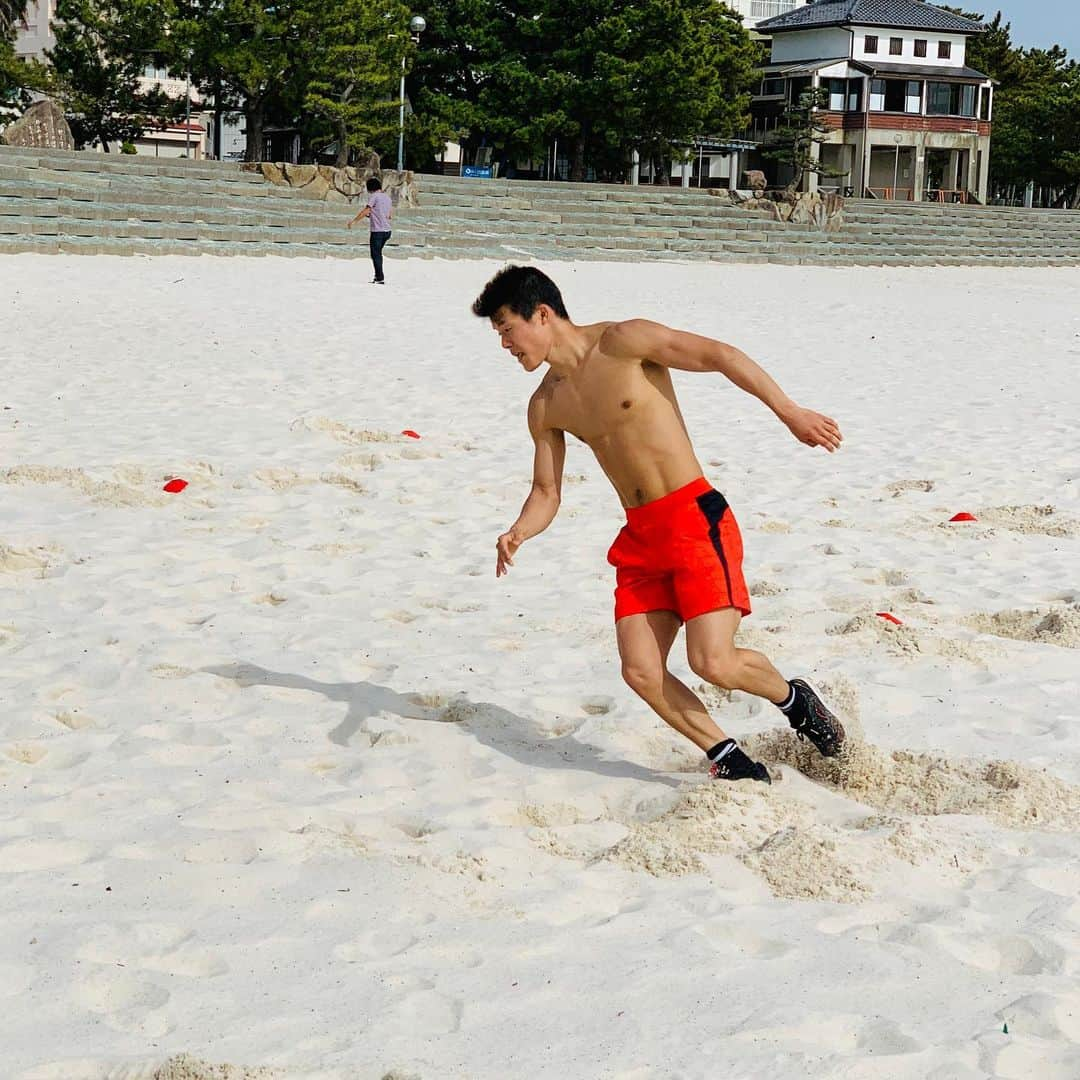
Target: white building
{"type": "Point", "coordinates": [35, 35]}
{"type": "Point", "coordinates": [754, 11]}
{"type": "Point", "coordinates": [909, 119]}
{"type": "Point", "coordinates": [176, 139]}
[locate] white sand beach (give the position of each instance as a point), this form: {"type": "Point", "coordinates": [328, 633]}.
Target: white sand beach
{"type": "Point", "coordinates": [291, 786]}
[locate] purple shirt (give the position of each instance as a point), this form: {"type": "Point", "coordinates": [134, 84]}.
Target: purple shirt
{"type": "Point", "coordinates": [381, 207]}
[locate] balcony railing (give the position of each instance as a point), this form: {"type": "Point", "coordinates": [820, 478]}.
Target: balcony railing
{"type": "Point", "coordinates": [766, 9]}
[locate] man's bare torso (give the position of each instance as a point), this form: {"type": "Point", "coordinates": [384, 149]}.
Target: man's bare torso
{"type": "Point", "coordinates": [626, 411]}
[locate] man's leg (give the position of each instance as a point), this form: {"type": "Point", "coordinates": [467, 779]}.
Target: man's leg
{"type": "Point", "coordinates": [712, 654]}
{"type": "Point", "coordinates": [376, 243]}
{"type": "Point", "coordinates": [644, 644]}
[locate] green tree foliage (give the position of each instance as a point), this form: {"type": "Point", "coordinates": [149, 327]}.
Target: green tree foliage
{"type": "Point", "coordinates": [1036, 135]}
{"type": "Point", "coordinates": [329, 69]}
{"type": "Point", "coordinates": [102, 48]}
{"type": "Point", "coordinates": [11, 14]}
{"type": "Point", "coordinates": [246, 50]}
{"type": "Point", "coordinates": [354, 60]}
{"type": "Point", "coordinates": [798, 138]}
{"type": "Point", "coordinates": [603, 77]}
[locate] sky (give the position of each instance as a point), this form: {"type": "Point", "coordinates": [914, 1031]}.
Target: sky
{"type": "Point", "coordinates": [1037, 23]}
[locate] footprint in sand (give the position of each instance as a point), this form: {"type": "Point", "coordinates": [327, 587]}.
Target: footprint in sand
{"type": "Point", "coordinates": [272, 598]}
{"type": "Point", "coordinates": [900, 487]}
{"type": "Point", "coordinates": [74, 720]}
{"type": "Point", "coordinates": [15, 560]}
{"type": "Point", "coordinates": [125, 1002]}
{"type": "Point", "coordinates": [26, 753]}
{"type": "Point", "coordinates": [380, 943]}
{"type": "Point", "coordinates": [340, 431]}
{"type": "Point", "coordinates": [159, 947]}
{"type": "Point", "coordinates": [359, 460]}
{"type": "Point", "coordinates": [282, 479]}
{"type": "Point", "coordinates": [27, 855]}
{"type": "Point", "coordinates": [348, 483]}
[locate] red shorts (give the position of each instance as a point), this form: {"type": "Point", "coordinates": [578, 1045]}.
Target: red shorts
{"type": "Point", "coordinates": [680, 553]}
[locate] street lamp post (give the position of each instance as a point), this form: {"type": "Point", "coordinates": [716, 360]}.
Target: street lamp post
{"type": "Point", "coordinates": [417, 25]}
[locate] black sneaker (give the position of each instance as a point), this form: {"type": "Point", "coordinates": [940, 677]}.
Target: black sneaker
{"type": "Point", "coordinates": [812, 720]}
{"type": "Point", "coordinates": [737, 766]}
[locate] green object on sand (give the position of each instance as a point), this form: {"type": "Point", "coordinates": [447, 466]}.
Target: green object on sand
{"type": "Point", "coordinates": [1005, 1029]}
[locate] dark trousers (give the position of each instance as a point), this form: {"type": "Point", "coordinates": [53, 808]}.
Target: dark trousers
{"type": "Point", "coordinates": [378, 242]}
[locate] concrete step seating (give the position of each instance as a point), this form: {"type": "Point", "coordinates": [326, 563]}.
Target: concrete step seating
{"type": "Point", "coordinates": [86, 202]}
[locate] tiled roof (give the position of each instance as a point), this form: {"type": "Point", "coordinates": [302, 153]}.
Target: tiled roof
{"type": "Point", "coordinates": [901, 14]}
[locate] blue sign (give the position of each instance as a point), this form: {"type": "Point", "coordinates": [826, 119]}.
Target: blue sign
{"type": "Point", "coordinates": [480, 172]}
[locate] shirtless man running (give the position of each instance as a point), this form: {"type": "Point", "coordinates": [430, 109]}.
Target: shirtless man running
{"type": "Point", "coordinates": [678, 559]}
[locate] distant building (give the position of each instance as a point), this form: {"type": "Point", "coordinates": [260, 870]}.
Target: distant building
{"type": "Point", "coordinates": [177, 139]}
{"type": "Point", "coordinates": [910, 120]}
{"type": "Point", "coordinates": [755, 11]}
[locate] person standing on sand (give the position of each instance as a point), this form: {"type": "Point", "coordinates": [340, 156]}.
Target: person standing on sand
{"type": "Point", "coordinates": [379, 211]}
{"type": "Point", "coordinates": [678, 559]}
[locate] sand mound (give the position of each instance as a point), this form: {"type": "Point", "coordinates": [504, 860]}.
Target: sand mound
{"type": "Point", "coordinates": [1056, 626]}
{"type": "Point", "coordinates": [900, 640]}
{"type": "Point", "coordinates": [185, 1067]}
{"type": "Point", "coordinates": [106, 492]}
{"type": "Point", "coordinates": [343, 433]}
{"type": "Point", "coordinates": [1042, 520]}
{"type": "Point", "coordinates": [776, 839]}
{"type": "Point", "coordinates": [804, 864]}
{"type": "Point", "coordinates": [928, 784]}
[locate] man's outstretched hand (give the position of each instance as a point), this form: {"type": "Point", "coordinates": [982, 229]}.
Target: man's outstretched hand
{"type": "Point", "coordinates": [507, 546]}
{"type": "Point", "coordinates": [813, 429]}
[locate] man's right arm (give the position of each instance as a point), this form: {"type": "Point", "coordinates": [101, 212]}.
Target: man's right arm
{"type": "Point", "coordinates": [543, 502]}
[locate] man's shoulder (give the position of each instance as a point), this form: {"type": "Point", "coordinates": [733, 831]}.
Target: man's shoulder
{"type": "Point", "coordinates": [630, 339]}
{"type": "Point", "coordinates": [540, 402]}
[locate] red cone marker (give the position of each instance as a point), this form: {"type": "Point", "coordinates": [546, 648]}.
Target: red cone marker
{"type": "Point", "coordinates": [889, 618]}
{"type": "Point", "coordinates": [964, 517]}
{"type": "Point", "coordinates": [175, 485]}
{"type": "Point", "coordinates": [412, 434]}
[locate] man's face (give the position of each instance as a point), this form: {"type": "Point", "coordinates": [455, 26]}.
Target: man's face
{"type": "Point", "coordinates": [528, 340]}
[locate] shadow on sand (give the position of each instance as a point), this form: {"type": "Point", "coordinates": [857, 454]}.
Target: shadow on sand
{"type": "Point", "coordinates": [520, 739]}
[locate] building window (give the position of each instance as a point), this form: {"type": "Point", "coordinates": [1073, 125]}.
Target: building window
{"type": "Point", "coordinates": [896, 46]}
{"type": "Point", "coordinates": [895, 96]}
{"type": "Point", "coordinates": [837, 89]}
{"type": "Point", "coordinates": [984, 104]}
{"type": "Point", "coordinates": [913, 103]}
{"type": "Point", "coordinates": [944, 50]}
{"type": "Point", "coordinates": [950, 99]}
{"type": "Point", "coordinates": [854, 96]}
{"type": "Point", "coordinates": [920, 46]}
{"type": "Point", "coordinates": [870, 45]}
{"type": "Point", "coordinates": [773, 87]}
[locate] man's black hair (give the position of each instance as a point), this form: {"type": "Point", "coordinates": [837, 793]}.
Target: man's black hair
{"type": "Point", "coordinates": [373, 183]}
{"type": "Point", "coordinates": [522, 289]}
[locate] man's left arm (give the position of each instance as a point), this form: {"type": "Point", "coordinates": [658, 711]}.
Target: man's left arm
{"type": "Point", "coordinates": [640, 338]}
{"type": "Point", "coordinates": [366, 212]}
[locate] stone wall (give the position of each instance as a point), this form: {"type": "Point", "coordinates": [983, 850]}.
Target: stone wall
{"type": "Point", "coordinates": [339, 185]}
{"type": "Point", "coordinates": [798, 208]}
